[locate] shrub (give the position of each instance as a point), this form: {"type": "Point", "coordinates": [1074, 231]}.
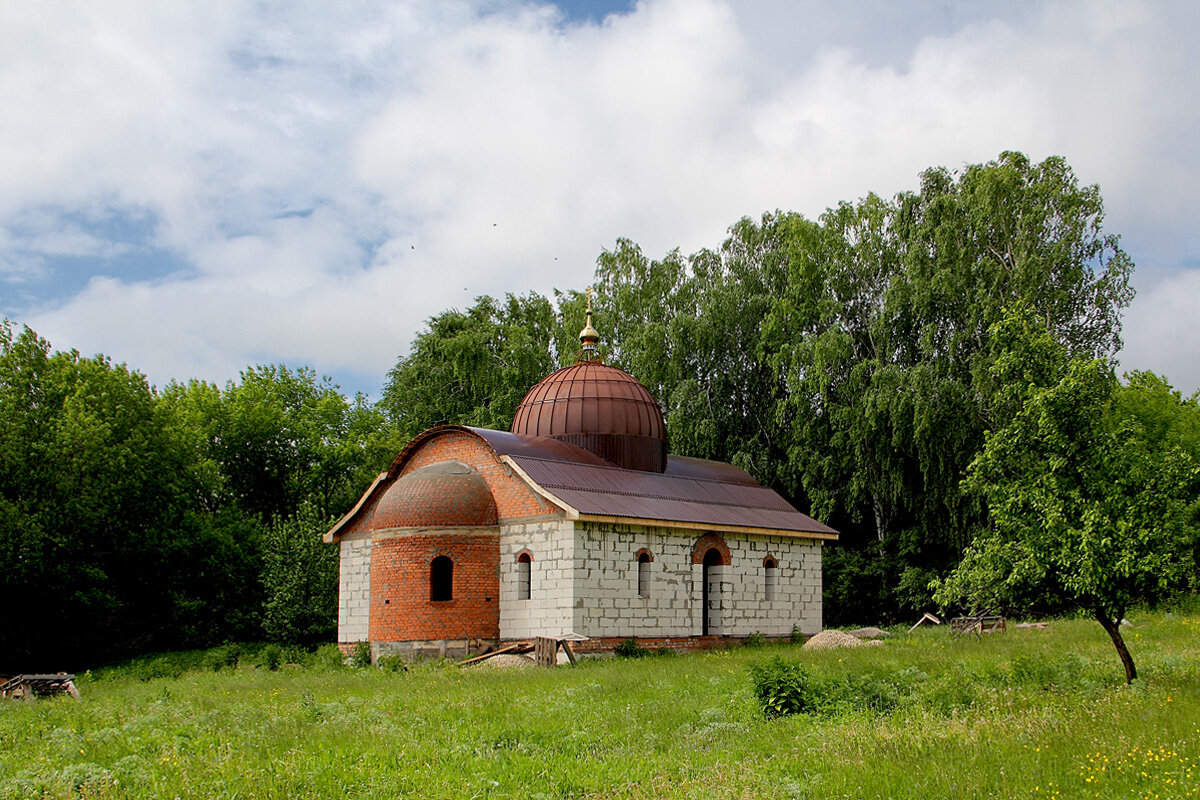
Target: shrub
{"type": "Point", "coordinates": [271, 656]}
{"type": "Point", "coordinates": [629, 649]}
{"type": "Point", "coordinates": [224, 657]}
{"type": "Point", "coordinates": [755, 640]}
{"type": "Point", "coordinates": [392, 663]}
{"type": "Point", "coordinates": [327, 656]}
{"type": "Point", "coordinates": [785, 687]}
{"type": "Point", "coordinates": [360, 656]}
{"type": "Point", "coordinates": [157, 667]}
{"type": "Point", "coordinates": [797, 636]}
{"type": "Point", "coordinates": [781, 686]}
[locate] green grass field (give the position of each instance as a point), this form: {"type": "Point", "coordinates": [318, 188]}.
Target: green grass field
{"type": "Point", "coordinates": [1022, 714]}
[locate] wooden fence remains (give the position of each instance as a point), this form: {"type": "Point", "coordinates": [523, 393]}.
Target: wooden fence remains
{"type": "Point", "coordinates": [927, 617]}
{"type": "Point", "coordinates": [25, 687]}
{"type": "Point", "coordinates": [978, 624]}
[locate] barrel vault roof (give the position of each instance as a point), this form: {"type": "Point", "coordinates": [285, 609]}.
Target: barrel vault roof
{"type": "Point", "coordinates": [691, 493]}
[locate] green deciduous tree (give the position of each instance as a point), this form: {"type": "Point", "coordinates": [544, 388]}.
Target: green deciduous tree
{"type": "Point", "coordinates": [100, 536]}
{"type": "Point", "coordinates": [300, 579]}
{"type": "Point", "coordinates": [471, 367]}
{"type": "Point", "coordinates": [884, 344]}
{"type": "Point", "coordinates": [1084, 507]}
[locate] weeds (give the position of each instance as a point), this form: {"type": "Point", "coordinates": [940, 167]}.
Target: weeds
{"type": "Point", "coordinates": [360, 655]}
{"type": "Point", "coordinates": [1018, 715]}
{"type": "Point", "coordinates": [630, 649]}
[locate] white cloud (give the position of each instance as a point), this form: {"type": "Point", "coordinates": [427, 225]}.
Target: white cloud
{"type": "Point", "coordinates": [334, 176]}
{"type": "Point", "coordinates": [1162, 331]}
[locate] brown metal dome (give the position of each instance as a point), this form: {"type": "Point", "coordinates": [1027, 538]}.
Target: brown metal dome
{"type": "Point", "coordinates": [601, 409]}
{"type": "Point", "coordinates": [446, 494]}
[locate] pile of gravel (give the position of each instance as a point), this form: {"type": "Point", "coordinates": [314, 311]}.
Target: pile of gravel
{"type": "Point", "coordinates": [828, 639]}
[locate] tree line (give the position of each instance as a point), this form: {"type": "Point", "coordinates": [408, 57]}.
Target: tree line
{"type": "Point", "coordinates": [931, 374]}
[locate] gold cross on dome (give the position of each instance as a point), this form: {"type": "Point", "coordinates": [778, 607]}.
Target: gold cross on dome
{"type": "Point", "coordinates": [589, 291]}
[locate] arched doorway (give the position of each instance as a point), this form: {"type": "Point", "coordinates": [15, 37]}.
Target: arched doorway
{"type": "Point", "coordinates": [710, 582]}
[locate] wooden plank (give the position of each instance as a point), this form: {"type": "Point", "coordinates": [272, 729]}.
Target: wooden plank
{"type": "Point", "coordinates": [545, 651]}
{"type": "Point", "coordinates": [512, 648]}
{"type": "Point", "coordinates": [566, 646]}
{"type": "Point", "coordinates": [927, 617]}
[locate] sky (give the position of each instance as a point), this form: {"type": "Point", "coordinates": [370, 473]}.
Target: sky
{"type": "Point", "coordinates": [191, 188]}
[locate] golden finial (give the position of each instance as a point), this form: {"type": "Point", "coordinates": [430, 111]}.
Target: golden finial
{"type": "Point", "coordinates": [589, 336]}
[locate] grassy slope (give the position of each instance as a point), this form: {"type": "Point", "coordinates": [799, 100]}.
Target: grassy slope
{"type": "Point", "coordinates": [1028, 714]}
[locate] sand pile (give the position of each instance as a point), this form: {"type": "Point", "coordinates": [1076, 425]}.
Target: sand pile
{"type": "Point", "coordinates": [829, 639]}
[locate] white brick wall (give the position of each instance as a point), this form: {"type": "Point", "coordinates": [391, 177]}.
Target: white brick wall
{"type": "Point", "coordinates": [354, 594]}
{"type": "Point", "coordinates": [548, 610]}
{"type": "Point", "coordinates": [607, 602]}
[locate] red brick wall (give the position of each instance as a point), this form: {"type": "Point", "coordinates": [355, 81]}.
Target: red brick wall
{"type": "Point", "coordinates": [401, 610]}
{"type": "Point", "coordinates": [513, 496]}
{"type": "Point", "coordinates": [706, 543]}
{"type": "Point", "coordinates": [679, 644]}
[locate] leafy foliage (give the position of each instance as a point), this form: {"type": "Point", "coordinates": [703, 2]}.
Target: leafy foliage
{"type": "Point", "coordinates": [854, 363]}
{"type": "Point", "coordinates": [1084, 506]}
{"type": "Point", "coordinates": [138, 519]}
{"type": "Point", "coordinates": [300, 577]}
{"type": "Point", "coordinates": [781, 686]}
{"type": "Point", "coordinates": [472, 367]}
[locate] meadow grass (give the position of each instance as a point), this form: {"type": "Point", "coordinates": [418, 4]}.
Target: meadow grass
{"type": "Point", "coordinates": [1021, 714]}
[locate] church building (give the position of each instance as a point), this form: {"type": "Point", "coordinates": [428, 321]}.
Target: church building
{"type": "Point", "coordinates": [575, 524]}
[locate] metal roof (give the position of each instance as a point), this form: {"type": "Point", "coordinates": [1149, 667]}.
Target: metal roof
{"type": "Point", "coordinates": [692, 491]}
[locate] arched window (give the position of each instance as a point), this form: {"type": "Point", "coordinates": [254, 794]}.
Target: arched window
{"type": "Point", "coordinates": [770, 576]}
{"type": "Point", "coordinates": [643, 562]}
{"type": "Point", "coordinates": [441, 579]}
{"type": "Point", "coordinates": [524, 568]}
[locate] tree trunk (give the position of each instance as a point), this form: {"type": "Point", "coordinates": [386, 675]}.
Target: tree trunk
{"type": "Point", "coordinates": [880, 518]}
{"type": "Point", "coordinates": [1113, 628]}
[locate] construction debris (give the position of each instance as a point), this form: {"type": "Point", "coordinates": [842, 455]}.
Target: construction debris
{"type": "Point", "coordinates": [979, 624]}
{"type": "Point", "coordinates": [545, 650]}
{"type": "Point", "coordinates": [829, 639]}
{"type": "Point", "coordinates": [1035, 626]}
{"type": "Point", "coordinates": [926, 617]}
{"type": "Point", "coordinates": [25, 687]}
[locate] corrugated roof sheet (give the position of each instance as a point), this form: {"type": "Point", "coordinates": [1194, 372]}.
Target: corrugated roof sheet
{"type": "Point", "coordinates": [691, 491]}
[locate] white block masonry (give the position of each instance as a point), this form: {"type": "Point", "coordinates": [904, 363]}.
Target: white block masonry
{"type": "Point", "coordinates": [354, 594]}
{"type": "Point", "coordinates": [606, 601]}
{"type": "Point", "coordinates": [548, 611]}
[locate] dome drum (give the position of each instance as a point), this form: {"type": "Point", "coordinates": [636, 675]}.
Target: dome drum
{"type": "Point", "coordinates": [631, 452]}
